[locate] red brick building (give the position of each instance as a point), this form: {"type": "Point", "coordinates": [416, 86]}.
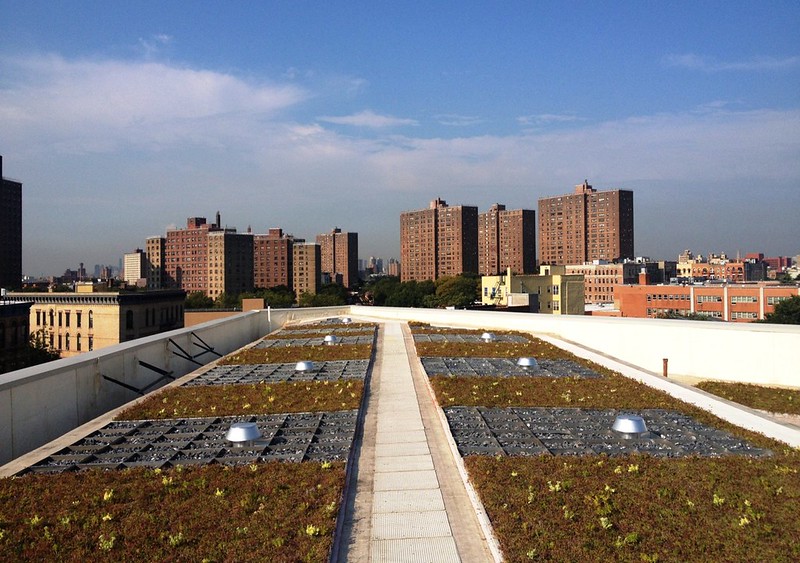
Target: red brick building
{"type": "Point", "coordinates": [585, 226]}
{"type": "Point", "coordinates": [727, 302]}
{"type": "Point", "coordinates": [506, 239]}
{"type": "Point", "coordinates": [272, 259]}
{"type": "Point", "coordinates": [339, 256]}
{"type": "Point", "coordinates": [438, 241]}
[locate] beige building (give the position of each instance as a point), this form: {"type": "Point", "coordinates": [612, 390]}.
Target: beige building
{"type": "Point", "coordinates": [89, 318]}
{"type": "Point", "coordinates": [134, 267]}
{"type": "Point", "coordinates": [552, 291]}
{"type": "Point", "coordinates": [307, 268]}
{"type": "Point", "coordinates": [230, 263]}
{"type": "Point", "coordinates": [154, 249]}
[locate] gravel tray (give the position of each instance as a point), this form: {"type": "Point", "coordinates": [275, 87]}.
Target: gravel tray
{"type": "Point", "coordinates": [535, 431]}
{"type": "Point", "coordinates": [315, 341]}
{"type": "Point", "coordinates": [294, 437]}
{"type": "Point", "coordinates": [273, 373]}
{"type": "Point", "coordinates": [469, 338]}
{"type": "Point", "coordinates": [504, 367]}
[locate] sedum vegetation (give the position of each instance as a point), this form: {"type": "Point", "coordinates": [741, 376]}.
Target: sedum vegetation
{"type": "Point", "coordinates": [627, 508]}
{"type": "Point", "coordinates": [771, 399]}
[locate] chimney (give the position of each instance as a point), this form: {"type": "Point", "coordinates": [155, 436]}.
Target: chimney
{"type": "Point", "coordinates": [644, 277]}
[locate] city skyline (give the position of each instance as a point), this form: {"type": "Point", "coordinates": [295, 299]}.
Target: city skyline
{"type": "Point", "coordinates": [123, 120]}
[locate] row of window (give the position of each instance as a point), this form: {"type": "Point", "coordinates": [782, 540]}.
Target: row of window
{"type": "Point", "coordinates": [64, 318]}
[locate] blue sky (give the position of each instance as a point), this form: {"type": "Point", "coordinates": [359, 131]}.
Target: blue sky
{"type": "Point", "coordinates": [124, 118]}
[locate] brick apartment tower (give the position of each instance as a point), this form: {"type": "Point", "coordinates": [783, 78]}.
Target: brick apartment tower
{"type": "Point", "coordinates": [307, 268]}
{"type": "Point", "coordinates": [585, 226]}
{"type": "Point", "coordinates": [230, 262]}
{"type": "Point", "coordinates": [272, 259]}
{"type": "Point", "coordinates": [506, 239]}
{"type": "Point", "coordinates": [10, 232]}
{"type": "Point", "coordinates": [339, 256]}
{"type": "Point", "coordinates": [186, 255]}
{"type": "Point", "coordinates": [438, 241]}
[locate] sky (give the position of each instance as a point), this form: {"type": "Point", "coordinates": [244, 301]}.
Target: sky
{"type": "Point", "coordinates": [122, 119]}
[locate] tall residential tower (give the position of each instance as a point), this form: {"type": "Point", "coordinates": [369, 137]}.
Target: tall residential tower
{"type": "Point", "coordinates": [10, 232]}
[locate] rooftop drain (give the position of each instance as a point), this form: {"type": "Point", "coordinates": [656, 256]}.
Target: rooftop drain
{"type": "Point", "coordinates": [243, 433]}
{"type": "Point", "coordinates": [331, 339]}
{"type": "Point", "coordinates": [630, 426]}
{"type": "Point", "coordinates": [528, 364]}
{"type": "Point", "coordinates": [488, 337]}
{"type": "Point", "coordinates": [304, 366]}
{"type": "Point", "coordinates": [346, 320]}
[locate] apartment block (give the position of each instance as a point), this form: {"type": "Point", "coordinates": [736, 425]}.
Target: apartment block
{"type": "Point", "coordinates": [339, 256]}
{"type": "Point", "coordinates": [272, 259]}
{"type": "Point", "coordinates": [506, 239]}
{"type": "Point", "coordinates": [10, 232]}
{"type": "Point", "coordinates": [307, 268]}
{"type": "Point", "coordinates": [186, 256]}
{"type": "Point", "coordinates": [230, 263]}
{"type": "Point", "coordinates": [438, 241]}
{"type": "Point", "coordinates": [585, 226]}
{"type": "Point", "coordinates": [155, 248]}
{"type": "Point", "coordinates": [726, 302]}
{"type": "Point", "coordinates": [134, 267]}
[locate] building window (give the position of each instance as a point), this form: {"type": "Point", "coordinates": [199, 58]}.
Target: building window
{"type": "Point", "coordinates": [78, 342]}
{"type": "Point", "coordinates": [78, 318]}
{"type": "Point", "coordinates": [129, 320]}
{"type": "Point", "coordinates": [91, 342]}
{"type": "Point", "coordinates": [38, 317]}
{"type": "Point", "coordinates": [66, 342]}
{"type": "Point", "coordinates": [67, 318]}
{"type": "Point", "coordinates": [52, 317]}
{"type": "Point", "coordinates": [60, 315]}
{"type": "Point", "coordinates": [91, 321]}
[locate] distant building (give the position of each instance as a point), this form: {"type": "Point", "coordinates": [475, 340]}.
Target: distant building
{"type": "Point", "coordinates": [155, 248]}
{"type": "Point", "coordinates": [726, 302]}
{"type": "Point", "coordinates": [307, 268]}
{"type": "Point", "coordinates": [438, 241]}
{"type": "Point", "coordinates": [14, 319]}
{"type": "Point", "coordinates": [135, 267]}
{"type": "Point", "coordinates": [339, 256]}
{"type": "Point", "coordinates": [10, 232]}
{"type": "Point", "coordinates": [272, 259]}
{"type": "Point", "coordinates": [506, 239]}
{"type": "Point", "coordinates": [186, 256]}
{"type": "Point", "coordinates": [585, 226]}
{"type": "Point", "coordinates": [230, 263]}
{"type": "Point", "coordinates": [91, 318]}
{"type": "Point", "coordinates": [394, 267]}
{"type": "Point", "coordinates": [553, 291]}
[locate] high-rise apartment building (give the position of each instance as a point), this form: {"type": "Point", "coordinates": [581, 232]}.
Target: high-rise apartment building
{"type": "Point", "coordinates": [339, 256]}
{"type": "Point", "coordinates": [438, 241]}
{"type": "Point", "coordinates": [186, 256]}
{"type": "Point", "coordinates": [230, 262]}
{"type": "Point", "coordinates": [506, 239]}
{"type": "Point", "coordinates": [585, 226]}
{"type": "Point", "coordinates": [134, 267]}
{"type": "Point", "coordinates": [10, 232]}
{"type": "Point", "coordinates": [155, 249]}
{"type": "Point", "coordinates": [307, 268]}
{"type": "Point", "coordinates": [272, 259]}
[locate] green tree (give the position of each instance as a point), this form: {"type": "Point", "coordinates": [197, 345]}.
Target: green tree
{"type": "Point", "coordinates": [228, 301]}
{"type": "Point", "coordinates": [328, 295]}
{"type": "Point", "coordinates": [458, 291]}
{"type": "Point", "coordinates": [198, 300]}
{"type": "Point", "coordinates": [787, 312]}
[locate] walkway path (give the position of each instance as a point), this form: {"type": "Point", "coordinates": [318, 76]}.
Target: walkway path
{"type": "Point", "coordinates": [407, 500]}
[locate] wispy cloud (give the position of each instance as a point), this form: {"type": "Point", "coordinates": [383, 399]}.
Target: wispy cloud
{"type": "Point", "coordinates": [709, 64]}
{"type": "Point", "coordinates": [548, 118]}
{"type": "Point", "coordinates": [154, 44]}
{"type": "Point", "coordinates": [454, 120]}
{"type": "Point", "coordinates": [369, 119]}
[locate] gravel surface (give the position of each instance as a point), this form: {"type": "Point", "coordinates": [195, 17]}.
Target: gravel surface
{"type": "Point", "coordinates": [503, 367]}
{"type": "Point", "coordinates": [272, 373]}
